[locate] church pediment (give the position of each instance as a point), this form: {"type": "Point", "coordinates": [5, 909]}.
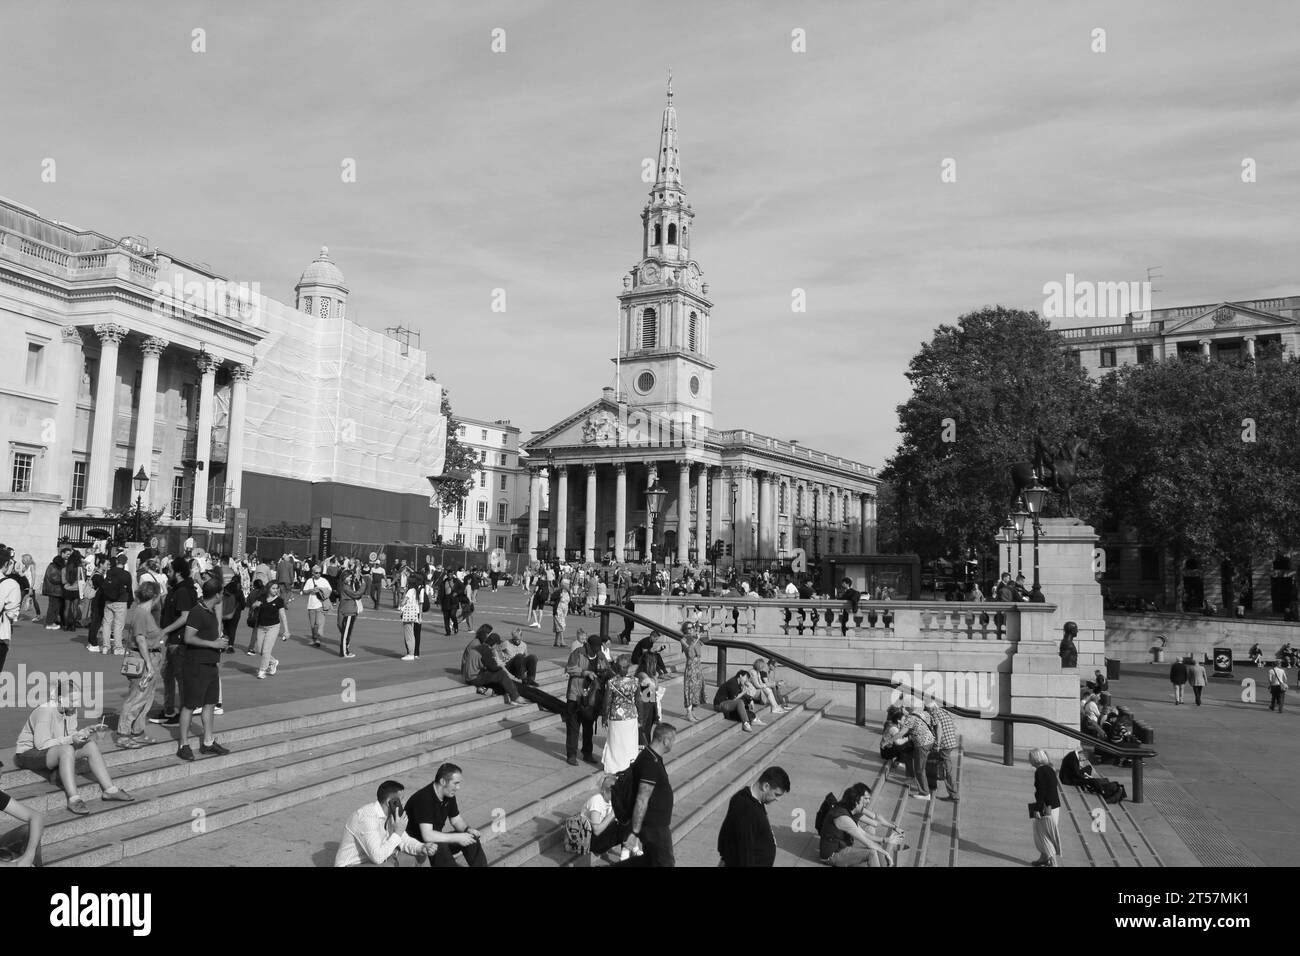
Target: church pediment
{"type": "Point", "coordinates": [1227, 315]}
{"type": "Point", "coordinates": [594, 424]}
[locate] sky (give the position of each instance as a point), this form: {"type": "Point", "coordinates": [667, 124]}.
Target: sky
{"type": "Point", "coordinates": [816, 169]}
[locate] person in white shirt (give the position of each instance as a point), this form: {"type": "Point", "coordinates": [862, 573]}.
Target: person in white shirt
{"type": "Point", "coordinates": [317, 590]}
{"type": "Point", "coordinates": [607, 833]}
{"type": "Point", "coordinates": [792, 589]}
{"type": "Point", "coordinates": [378, 830]}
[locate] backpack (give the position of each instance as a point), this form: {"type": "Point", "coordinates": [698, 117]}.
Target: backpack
{"type": "Point", "coordinates": [623, 796]}
{"type": "Point", "coordinates": [828, 804]}
{"type": "Point", "coordinates": [1108, 790]}
{"type": "Point", "coordinates": [577, 834]}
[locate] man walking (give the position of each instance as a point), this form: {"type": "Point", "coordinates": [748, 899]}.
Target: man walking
{"type": "Point", "coordinates": [745, 838]}
{"type": "Point", "coordinates": [284, 575]}
{"type": "Point", "coordinates": [318, 591]}
{"type": "Point", "coordinates": [1277, 686]}
{"type": "Point", "coordinates": [375, 583]}
{"type": "Point", "coordinates": [1198, 679]}
{"type": "Point", "coordinates": [116, 591]}
{"type": "Point", "coordinates": [1178, 677]}
{"type": "Point", "coordinates": [652, 814]}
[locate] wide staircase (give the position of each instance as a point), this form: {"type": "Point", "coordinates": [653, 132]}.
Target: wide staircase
{"type": "Point", "coordinates": [301, 768]}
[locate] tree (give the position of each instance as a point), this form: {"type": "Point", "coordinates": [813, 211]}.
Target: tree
{"type": "Point", "coordinates": [461, 459]}
{"type": "Point", "coordinates": [125, 522]}
{"type": "Point", "coordinates": [980, 391]}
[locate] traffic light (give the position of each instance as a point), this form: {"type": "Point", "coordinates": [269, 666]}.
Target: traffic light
{"type": "Point", "coordinates": [728, 550]}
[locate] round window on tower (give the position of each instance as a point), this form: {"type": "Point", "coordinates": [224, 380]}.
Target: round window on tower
{"type": "Point", "coordinates": [695, 385]}
{"type": "Point", "coordinates": [645, 381]}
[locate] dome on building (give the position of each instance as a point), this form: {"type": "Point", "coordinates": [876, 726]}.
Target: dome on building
{"type": "Point", "coordinates": [322, 272]}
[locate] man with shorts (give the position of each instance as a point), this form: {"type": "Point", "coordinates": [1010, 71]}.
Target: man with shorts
{"type": "Point", "coordinates": [200, 670]}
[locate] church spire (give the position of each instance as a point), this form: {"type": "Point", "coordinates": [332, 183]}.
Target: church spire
{"type": "Point", "coordinates": [669, 168]}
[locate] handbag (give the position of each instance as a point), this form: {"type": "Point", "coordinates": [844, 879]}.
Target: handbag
{"type": "Point", "coordinates": [1033, 811]}
{"type": "Point", "coordinates": [133, 665]}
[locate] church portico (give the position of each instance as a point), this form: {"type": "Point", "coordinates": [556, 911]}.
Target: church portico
{"type": "Point", "coordinates": [655, 425]}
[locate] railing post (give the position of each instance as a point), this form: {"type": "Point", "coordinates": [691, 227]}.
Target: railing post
{"type": "Point", "coordinates": [1008, 744]}
{"type": "Point", "coordinates": [1137, 779]}
{"type": "Point", "coordinates": [860, 704]}
{"type": "Point", "coordinates": [722, 666]}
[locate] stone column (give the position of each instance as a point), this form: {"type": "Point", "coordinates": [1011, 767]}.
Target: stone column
{"type": "Point", "coordinates": [863, 505]}
{"type": "Point", "coordinates": [702, 540]}
{"type": "Point", "coordinates": [144, 420]}
{"type": "Point", "coordinates": [203, 444]}
{"type": "Point", "coordinates": [71, 365]}
{"type": "Point", "coordinates": [240, 375]}
{"type": "Point", "coordinates": [651, 477]}
{"type": "Point", "coordinates": [560, 508]}
{"type": "Point", "coordinates": [684, 512]}
{"type": "Point", "coordinates": [99, 477]}
{"type": "Point", "coordinates": [589, 538]}
{"type": "Point", "coordinates": [620, 512]}
{"type": "Point", "coordinates": [1250, 348]}
{"type": "Point", "coordinates": [534, 509]}
{"type": "Point", "coordinates": [1205, 349]}
{"type": "Point", "coordinates": [744, 513]}
{"type": "Point", "coordinates": [766, 517]}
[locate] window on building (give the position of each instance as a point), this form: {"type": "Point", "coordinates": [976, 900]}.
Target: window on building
{"type": "Point", "coordinates": [178, 495]}
{"type": "Point", "coordinates": [1112, 564]}
{"type": "Point", "coordinates": [501, 541]}
{"type": "Point", "coordinates": [830, 508]}
{"type": "Point", "coordinates": [481, 511]}
{"type": "Point", "coordinates": [691, 341]}
{"type": "Point", "coordinates": [35, 364]}
{"type": "Point", "coordinates": [830, 545]}
{"type": "Point", "coordinates": [324, 308]}
{"type": "Point", "coordinates": [461, 431]}
{"type": "Point", "coordinates": [798, 502]}
{"type": "Point", "coordinates": [649, 329]}
{"type": "Point", "coordinates": [306, 304]}
{"type": "Point", "coordinates": [77, 498]}
{"type": "Point", "coordinates": [816, 503]}
{"type": "Point", "coordinates": [482, 479]}
{"type": "Point", "coordinates": [501, 459]}
{"type": "Point", "coordinates": [783, 541]}
{"type": "Point", "coordinates": [845, 514]}
{"type": "Point", "coordinates": [1150, 560]}
{"type": "Point", "coordinates": [24, 465]}
{"type": "Point", "coordinates": [482, 454]}
{"type": "Point", "coordinates": [1146, 355]}
{"type": "Point", "coordinates": [672, 234]}
{"type": "Point", "coordinates": [1107, 358]}
{"type": "Point", "coordinates": [483, 437]}
{"type": "Point", "coordinates": [502, 510]}
{"type": "Point", "coordinates": [658, 234]}
{"type": "Point", "coordinates": [460, 510]}
{"type": "Point", "coordinates": [503, 482]}
{"type": "Point", "coordinates": [846, 546]}
{"type": "Point", "coordinates": [780, 498]}
{"type": "Point", "coordinates": [480, 543]}
{"type": "Point", "coordinates": [460, 540]}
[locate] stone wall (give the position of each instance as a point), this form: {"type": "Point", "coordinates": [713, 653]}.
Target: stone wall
{"type": "Point", "coordinates": [1130, 637]}
{"type": "Point", "coordinates": [29, 523]}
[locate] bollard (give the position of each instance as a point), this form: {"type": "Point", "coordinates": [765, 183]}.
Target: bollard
{"type": "Point", "coordinates": [860, 702]}
{"type": "Point", "coordinates": [722, 666]}
{"type": "Point", "coordinates": [1008, 744]}
{"type": "Point", "coordinates": [1137, 780]}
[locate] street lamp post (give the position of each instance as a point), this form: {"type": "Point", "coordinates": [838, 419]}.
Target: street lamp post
{"type": "Point", "coordinates": [654, 499]}
{"type": "Point", "coordinates": [1008, 535]}
{"type": "Point", "coordinates": [1018, 518]}
{"type": "Point", "coordinates": [141, 481]}
{"type": "Point", "coordinates": [735, 489]}
{"type": "Point", "coordinates": [1034, 499]}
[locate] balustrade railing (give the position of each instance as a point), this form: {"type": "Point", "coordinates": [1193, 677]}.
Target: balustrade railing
{"type": "Point", "coordinates": [902, 620]}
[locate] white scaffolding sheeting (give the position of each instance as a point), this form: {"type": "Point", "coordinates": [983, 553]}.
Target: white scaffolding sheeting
{"type": "Point", "coordinates": [331, 400]}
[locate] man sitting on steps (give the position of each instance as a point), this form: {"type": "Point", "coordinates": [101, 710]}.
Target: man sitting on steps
{"type": "Point", "coordinates": [476, 672]}
{"type": "Point", "coordinates": [733, 700]}
{"type": "Point", "coordinates": [432, 810]}
{"type": "Point", "coordinates": [378, 831]}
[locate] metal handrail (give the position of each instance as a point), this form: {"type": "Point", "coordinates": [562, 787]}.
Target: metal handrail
{"type": "Point", "coordinates": [862, 681]}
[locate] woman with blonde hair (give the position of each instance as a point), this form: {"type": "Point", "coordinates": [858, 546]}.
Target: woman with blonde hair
{"type": "Point", "coordinates": [1045, 811]}
{"type": "Point", "coordinates": [143, 639]}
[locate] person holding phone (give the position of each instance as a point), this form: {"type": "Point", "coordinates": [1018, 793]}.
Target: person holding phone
{"type": "Point", "coordinates": [377, 831]}
{"type": "Point", "coordinates": [50, 740]}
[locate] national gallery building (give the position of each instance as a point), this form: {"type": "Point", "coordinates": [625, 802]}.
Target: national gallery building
{"type": "Point", "coordinates": [759, 496]}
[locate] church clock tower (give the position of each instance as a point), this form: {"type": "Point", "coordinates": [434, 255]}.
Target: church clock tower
{"type": "Point", "coordinates": [664, 341]}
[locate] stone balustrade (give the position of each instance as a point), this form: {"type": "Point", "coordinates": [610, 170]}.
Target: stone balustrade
{"type": "Point", "coordinates": [893, 620]}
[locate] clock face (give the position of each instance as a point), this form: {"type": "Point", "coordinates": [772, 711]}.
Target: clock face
{"type": "Point", "coordinates": [650, 272]}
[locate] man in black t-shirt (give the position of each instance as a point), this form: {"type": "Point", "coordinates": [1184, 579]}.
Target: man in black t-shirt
{"type": "Point", "coordinates": [745, 838]}
{"type": "Point", "coordinates": [652, 815]}
{"type": "Point", "coordinates": [182, 596]}
{"type": "Point", "coordinates": [431, 809]}
{"type": "Point", "coordinates": [200, 689]}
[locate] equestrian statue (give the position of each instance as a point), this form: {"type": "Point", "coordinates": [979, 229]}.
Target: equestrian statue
{"type": "Point", "coordinates": [1056, 468]}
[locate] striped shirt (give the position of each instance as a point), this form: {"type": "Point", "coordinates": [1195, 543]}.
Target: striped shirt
{"type": "Point", "coordinates": [918, 730]}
